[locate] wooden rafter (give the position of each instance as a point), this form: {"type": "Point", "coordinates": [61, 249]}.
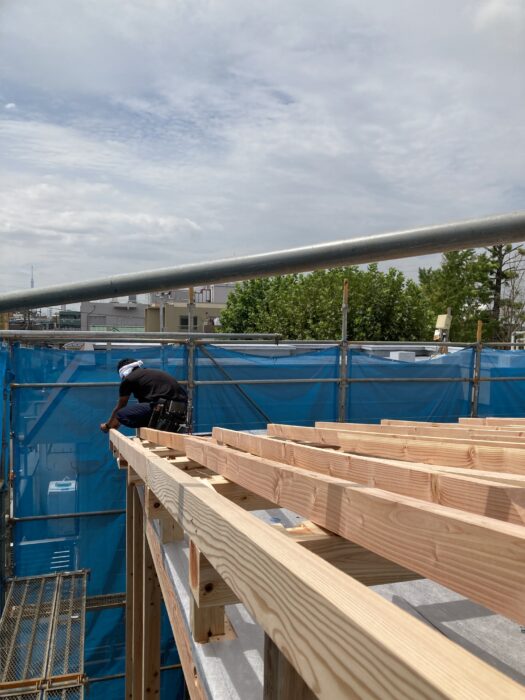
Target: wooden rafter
{"type": "Point", "coordinates": [444, 453]}
{"type": "Point", "coordinates": [342, 638]}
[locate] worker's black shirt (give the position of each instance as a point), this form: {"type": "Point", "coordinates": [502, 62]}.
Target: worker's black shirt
{"type": "Point", "coordinates": [150, 385]}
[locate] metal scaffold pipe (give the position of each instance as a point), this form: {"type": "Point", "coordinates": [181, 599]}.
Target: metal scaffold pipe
{"type": "Point", "coordinates": [387, 246]}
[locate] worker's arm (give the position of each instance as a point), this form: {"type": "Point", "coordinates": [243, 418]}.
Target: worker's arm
{"type": "Point", "coordinates": [113, 421]}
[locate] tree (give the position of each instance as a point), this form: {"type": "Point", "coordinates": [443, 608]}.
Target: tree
{"type": "Point", "coordinates": [506, 278]}
{"type": "Point", "coordinates": [382, 306]}
{"type": "Point", "coordinates": [463, 284]}
{"type": "Point", "coordinates": [485, 286]}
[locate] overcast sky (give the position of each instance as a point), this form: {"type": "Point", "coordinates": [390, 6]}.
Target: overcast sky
{"type": "Point", "coordinates": [148, 133]}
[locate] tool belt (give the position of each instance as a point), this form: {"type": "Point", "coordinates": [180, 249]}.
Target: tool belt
{"type": "Point", "coordinates": [168, 415]}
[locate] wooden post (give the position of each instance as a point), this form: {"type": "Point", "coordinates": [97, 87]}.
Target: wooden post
{"type": "Point", "coordinates": [170, 530]}
{"type": "Point", "coordinates": [207, 616]}
{"type": "Point", "coordinates": [343, 350]}
{"type": "Point", "coordinates": [129, 590]}
{"type": "Point", "coordinates": [477, 369]}
{"type": "Point", "coordinates": [137, 611]}
{"type": "Point", "coordinates": [281, 680]}
{"type": "Point", "coordinates": [151, 606]}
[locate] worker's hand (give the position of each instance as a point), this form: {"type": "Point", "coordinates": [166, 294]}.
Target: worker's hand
{"type": "Point", "coordinates": [104, 427]}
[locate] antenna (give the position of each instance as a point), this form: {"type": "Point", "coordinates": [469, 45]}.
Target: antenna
{"type": "Point", "coordinates": [32, 278]}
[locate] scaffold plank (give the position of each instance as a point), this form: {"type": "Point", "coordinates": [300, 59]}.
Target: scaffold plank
{"type": "Point", "coordinates": [341, 637]}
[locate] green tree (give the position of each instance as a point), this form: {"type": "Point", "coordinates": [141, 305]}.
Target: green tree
{"type": "Point", "coordinates": [462, 283]}
{"type": "Point", "coordinates": [507, 271]}
{"type": "Point", "coordinates": [382, 306]}
{"type": "Point", "coordinates": [478, 285]}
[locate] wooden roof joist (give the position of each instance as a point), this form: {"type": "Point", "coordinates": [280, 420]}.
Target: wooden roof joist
{"type": "Point", "coordinates": [494, 421]}
{"type": "Point", "coordinates": [424, 430]}
{"type": "Point", "coordinates": [447, 453]}
{"type": "Point", "coordinates": [504, 501]}
{"type": "Point", "coordinates": [343, 639]}
{"type": "Point", "coordinates": [479, 557]}
{"type": "Point", "coordinates": [492, 431]}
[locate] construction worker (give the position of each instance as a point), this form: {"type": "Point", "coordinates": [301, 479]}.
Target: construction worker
{"type": "Point", "coordinates": [153, 390]}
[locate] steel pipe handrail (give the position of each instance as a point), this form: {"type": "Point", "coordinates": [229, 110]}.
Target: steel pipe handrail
{"type": "Point", "coordinates": [115, 337]}
{"type": "Point", "coordinates": [366, 249]}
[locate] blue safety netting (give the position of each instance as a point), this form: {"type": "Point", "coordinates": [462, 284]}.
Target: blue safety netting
{"type": "Point", "coordinates": [500, 397]}
{"type": "Point", "coordinates": [4, 441]}
{"type": "Point", "coordinates": [375, 398]}
{"type": "Point", "coordinates": [252, 406]}
{"type": "Point", "coordinates": [62, 464]}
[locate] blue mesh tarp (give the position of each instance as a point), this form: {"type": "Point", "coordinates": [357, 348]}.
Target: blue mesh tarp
{"type": "Point", "coordinates": [502, 398]}
{"type": "Point", "coordinates": [370, 401]}
{"type": "Point", "coordinates": [62, 463]}
{"type": "Point", "coordinates": [252, 406]}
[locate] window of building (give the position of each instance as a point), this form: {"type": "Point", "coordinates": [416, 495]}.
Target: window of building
{"type": "Point", "coordinates": [183, 323]}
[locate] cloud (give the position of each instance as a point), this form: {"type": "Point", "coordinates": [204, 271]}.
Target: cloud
{"type": "Point", "coordinates": [192, 131]}
{"type": "Point", "coordinates": [10, 105]}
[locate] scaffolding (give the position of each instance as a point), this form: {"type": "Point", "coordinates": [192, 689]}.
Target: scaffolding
{"type": "Point", "coordinates": [42, 636]}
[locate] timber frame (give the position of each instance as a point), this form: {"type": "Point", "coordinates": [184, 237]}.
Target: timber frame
{"type": "Point", "coordinates": [379, 505]}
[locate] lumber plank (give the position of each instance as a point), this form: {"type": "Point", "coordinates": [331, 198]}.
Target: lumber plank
{"type": "Point", "coordinates": [490, 457]}
{"type": "Point", "coordinates": [503, 477]}
{"type": "Point", "coordinates": [494, 421]}
{"type": "Point", "coordinates": [160, 437]}
{"type": "Point", "coordinates": [484, 497]}
{"type": "Point", "coordinates": [281, 680]}
{"type": "Point", "coordinates": [469, 436]}
{"type": "Point", "coordinates": [342, 638]}
{"type": "Point", "coordinates": [192, 678]}
{"type": "Point", "coordinates": [516, 430]}
{"type": "Point", "coordinates": [479, 557]}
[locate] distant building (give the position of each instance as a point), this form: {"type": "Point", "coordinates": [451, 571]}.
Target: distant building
{"type": "Point", "coordinates": [120, 316]}
{"type": "Point", "coordinates": [211, 294]}
{"type": "Point", "coordinates": [172, 305]}
{"type": "Point", "coordinates": [68, 320]}
{"type": "Point", "coordinates": [176, 317]}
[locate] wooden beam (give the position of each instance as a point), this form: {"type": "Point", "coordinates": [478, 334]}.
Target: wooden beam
{"type": "Point", "coordinates": [281, 680]}
{"type": "Point", "coordinates": [342, 638]}
{"type": "Point", "coordinates": [490, 457]}
{"type": "Point", "coordinates": [151, 608]}
{"type": "Point", "coordinates": [365, 566]}
{"type": "Point", "coordinates": [469, 436]}
{"type": "Point", "coordinates": [518, 431]}
{"type": "Point", "coordinates": [160, 437]}
{"type": "Point", "coordinates": [493, 421]}
{"type": "Point", "coordinates": [237, 494]}
{"type": "Point", "coordinates": [193, 680]}
{"type": "Point", "coordinates": [484, 497]}
{"type": "Point", "coordinates": [481, 558]}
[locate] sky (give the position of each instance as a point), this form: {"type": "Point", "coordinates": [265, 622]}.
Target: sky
{"type": "Point", "coordinates": [150, 133]}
